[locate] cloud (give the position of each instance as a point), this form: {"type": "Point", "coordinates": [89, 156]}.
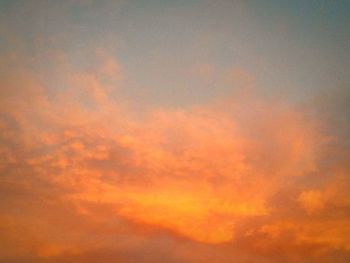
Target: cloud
{"type": "Point", "coordinates": [85, 177]}
{"type": "Point", "coordinates": [311, 200]}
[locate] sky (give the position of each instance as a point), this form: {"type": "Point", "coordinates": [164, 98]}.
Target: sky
{"type": "Point", "coordinates": [174, 131]}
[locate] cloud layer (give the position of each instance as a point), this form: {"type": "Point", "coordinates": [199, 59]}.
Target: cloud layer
{"type": "Point", "coordinates": [85, 177]}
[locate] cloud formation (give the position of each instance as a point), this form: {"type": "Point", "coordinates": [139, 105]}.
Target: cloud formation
{"type": "Point", "coordinates": [84, 177]}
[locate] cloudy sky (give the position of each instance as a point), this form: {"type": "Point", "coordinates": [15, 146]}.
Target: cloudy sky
{"type": "Point", "coordinates": [174, 131]}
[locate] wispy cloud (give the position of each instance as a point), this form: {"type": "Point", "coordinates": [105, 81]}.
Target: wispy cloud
{"type": "Point", "coordinates": [84, 177]}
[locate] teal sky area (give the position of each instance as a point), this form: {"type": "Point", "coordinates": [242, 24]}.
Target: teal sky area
{"type": "Point", "coordinates": [178, 53]}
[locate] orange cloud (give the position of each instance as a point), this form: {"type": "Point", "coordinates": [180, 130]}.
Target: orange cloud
{"type": "Point", "coordinates": [81, 172]}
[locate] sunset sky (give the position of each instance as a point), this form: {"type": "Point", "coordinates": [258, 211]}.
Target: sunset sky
{"type": "Point", "coordinates": [176, 131]}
